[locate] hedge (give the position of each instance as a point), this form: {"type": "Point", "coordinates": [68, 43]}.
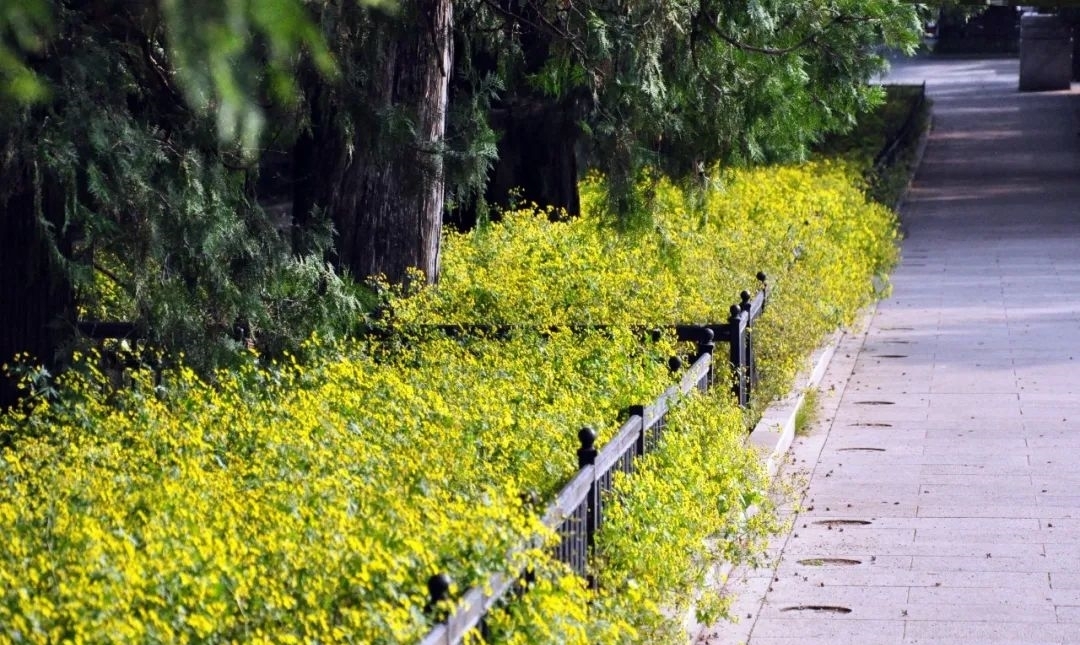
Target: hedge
{"type": "Point", "coordinates": [291, 501]}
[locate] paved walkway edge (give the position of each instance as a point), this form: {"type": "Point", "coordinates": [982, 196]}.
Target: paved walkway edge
{"type": "Point", "coordinates": [773, 434]}
{"type": "Point", "coordinates": [775, 431]}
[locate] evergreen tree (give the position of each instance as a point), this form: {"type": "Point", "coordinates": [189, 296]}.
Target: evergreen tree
{"type": "Point", "coordinates": [127, 188]}
{"type": "Point", "coordinates": [371, 159]}
{"type": "Point", "coordinates": [678, 84]}
{"type": "Point", "coordinates": [137, 138]}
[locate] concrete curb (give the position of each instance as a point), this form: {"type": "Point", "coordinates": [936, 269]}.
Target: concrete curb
{"type": "Point", "coordinates": [774, 432]}
{"type": "Point", "coordinates": [773, 435]}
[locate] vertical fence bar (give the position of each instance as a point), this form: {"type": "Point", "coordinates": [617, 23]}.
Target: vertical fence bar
{"type": "Point", "coordinates": [580, 544]}
{"type": "Point", "coordinates": [736, 353]}
{"type": "Point", "coordinates": [587, 457]}
{"type": "Point", "coordinates": [748, 346]}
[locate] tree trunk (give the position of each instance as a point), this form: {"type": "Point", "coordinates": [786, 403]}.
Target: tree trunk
{"type": "Point", "coordinates": [384, 188]}
{"type": "Point", "coordinates": [36, 299]}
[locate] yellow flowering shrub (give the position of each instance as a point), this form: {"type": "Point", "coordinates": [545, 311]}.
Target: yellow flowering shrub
{"type": "Point", "coordinates": [809, 227]}
{"type": "Point", "coordinates": [311, 501]}
{"type": "Point", "coordinates": [686, 509]}
{"type": "Point", "coordinates": [294, 503]}
{"type": "Point", "coordinates": [825, 249]}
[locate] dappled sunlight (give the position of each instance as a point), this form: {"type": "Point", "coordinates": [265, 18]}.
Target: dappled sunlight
{"type": "Point", "coordinates": [978, 135]}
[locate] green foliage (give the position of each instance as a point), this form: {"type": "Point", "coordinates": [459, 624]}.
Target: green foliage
{"type": "Point", "coordinates": [155, 114]}
{"type": "Point", "coordinates": [873, 129]}
{"type": "Point", "coordinates": [224, 52]}
{"type": "Point", "coordinates": [160, 225]}
{"type": "Point", "coordinates": [228, 55]}
{"type": "Point", "coordinates": [905, 106]}
{"type": "Point", "coordinates": [23, 28]}
{"type": "Point", "coordinates": [678, 84]}
{"type": "Point", "coordinates": [297, 501]}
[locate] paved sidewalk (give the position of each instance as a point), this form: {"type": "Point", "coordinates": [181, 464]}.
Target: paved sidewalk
{"type": "Point", "coordinates": [942, 483]}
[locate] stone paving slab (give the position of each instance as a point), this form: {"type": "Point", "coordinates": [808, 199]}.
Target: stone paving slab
{"type": "Point", "coordinates": [990, 510]}
{"type": "Point", "coordinates": [870, 578]}
{"type": "Point", "coordinates": [990, 633]}
{"type": "Point", "coordinates": [952, 421]}
{"type": "Point", "coordinates": [998, 563]}
{"type": "Point", "coordinates": [810, 628]}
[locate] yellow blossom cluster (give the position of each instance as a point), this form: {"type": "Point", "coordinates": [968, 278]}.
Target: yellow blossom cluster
{"type": "Point", "coordinates": [810, 228]}
{"type": "Point", "coordinates": [310, 502]}
{"type": "Point", "coordinates": [290, 503]}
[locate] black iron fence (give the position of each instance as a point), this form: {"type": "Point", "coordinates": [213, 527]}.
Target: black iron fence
{"type": "Point", "coordinates": [577, 513]}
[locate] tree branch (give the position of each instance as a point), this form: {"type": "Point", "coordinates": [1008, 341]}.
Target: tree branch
{"type": "Point", "coordinates": [768, 51]}
{"type": "Point", "coordinates": [541, 25]}
{"type": "Point", "coordinates": [782, 51]}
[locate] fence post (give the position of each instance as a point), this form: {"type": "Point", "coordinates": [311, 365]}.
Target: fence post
{"type": "Point", "coordinates": [639, 411]}
{"type": "Point", "coordinates": [751, 354]}
{"type": "Point", "coordinates": [587, 457]}
{"type": "Point", "coordinates": [737, 355]}
{"type": "Point", "coordinates": [748, 347]}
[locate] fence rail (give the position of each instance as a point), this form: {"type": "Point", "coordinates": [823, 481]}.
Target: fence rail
{"type": "Point", "coordinates": [577, 512]}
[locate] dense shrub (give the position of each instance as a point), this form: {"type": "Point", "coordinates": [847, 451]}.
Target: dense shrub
{"type": "Point", "coordinates": [309, 501]}
{"type": "Point", "coordinates": [809, 228]}
{"type": "Point", "coordinates": [293, 501]}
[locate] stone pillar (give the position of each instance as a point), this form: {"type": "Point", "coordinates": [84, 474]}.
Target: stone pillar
{"type": "Point", "coordinates": [1045, 53]}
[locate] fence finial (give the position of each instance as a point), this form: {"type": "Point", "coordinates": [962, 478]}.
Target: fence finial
{"type": "Point", "coordinates": [587, 452]}
{"type": "Point", "coordinates": [674, 364]}
{"type": "Point", "coordinates": [706, 344]}
{"type": "Point", "coordinates": [438, 587]}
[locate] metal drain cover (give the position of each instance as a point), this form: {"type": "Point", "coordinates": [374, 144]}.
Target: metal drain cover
{"type": "Point", "coordinates": [830, 609]}
{"type": "Point", "coordinates": [830, 562]}
{"type": "Point", "coordinates": [832, 523]}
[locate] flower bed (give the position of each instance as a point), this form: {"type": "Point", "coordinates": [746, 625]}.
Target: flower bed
{"type": "Point", "coordinates": [310, 502]}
